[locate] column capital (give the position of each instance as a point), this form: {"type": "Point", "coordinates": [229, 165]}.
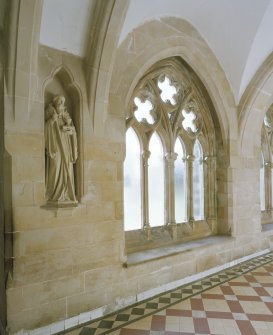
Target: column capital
{"type": "Point", "coordinates": [190, 158]}
{"type": "Point", "coordinates": [146, 154]}
{"type": "Point", "coordinates": [209, 159]}
{"type": "Point", "coordinates": [171, 156]}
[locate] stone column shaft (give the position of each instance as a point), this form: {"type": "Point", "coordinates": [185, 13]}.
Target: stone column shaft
{"type": "Point", "coordinates": [170, 194]}
{"type": "Point", "coordinates": [267, 185]}
{"type": "Point", "coordinates": [145, 191]}
{"type": "Point", "coordinates": [189, 167]}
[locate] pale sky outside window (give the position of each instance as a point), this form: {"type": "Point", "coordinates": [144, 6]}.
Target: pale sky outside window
{"type": "Point", "coordinates": [188, 121]}
{"type": "Point", "coordinates": [132, 195]}
{"type": "Point", "coordinates": [198, 182]}
{"type": "Point", "coordinates": [180, 183]}
{"type": "Point", "coordinates": [262, 190]}
{"type": "Point", "coordinates": [143, 111]}
{"type": "Point", "coordinates": [156, 182]}
{"type": "Point", "coordinates": [168, 91]}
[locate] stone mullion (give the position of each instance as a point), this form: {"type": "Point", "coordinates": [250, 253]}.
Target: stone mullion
{"type": "Point", "coordinates": [145, 192]}
{"type": "Point", "coordinates": [270, 187]}
{"type": "Point", "coordinates": [210, 191]}
{"type": "Point", "coordinates": [267, 186]}
{"type": "Point", "coordinates": [170, 158]}
{"type": "Point", "coordinates": [190, 213]}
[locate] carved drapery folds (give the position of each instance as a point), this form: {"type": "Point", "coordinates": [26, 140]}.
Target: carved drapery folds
{"type": "Point", "coordinates": [169, 100]}
{"type": "Point", "coordinates": [61, 150]}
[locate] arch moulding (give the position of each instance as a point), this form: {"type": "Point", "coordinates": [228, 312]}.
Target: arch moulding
{"type": "Point", "coordinates": [253, 105]}
{"type": "Point", "coordinates": [157, 40]}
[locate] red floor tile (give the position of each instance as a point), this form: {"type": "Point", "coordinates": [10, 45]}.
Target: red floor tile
{"type": "Point", "coordinates": [201, 325]}
{"type": "Point", "coordinates": [269, 305]}
{"type": "Point", "coordinates": [248, 298]}
{"type": "Point", "coordinates": [250, 278]}
{"type": "Point", "coordinates": [213, 296]}
{"type": "Point", "coordinates": [238, 284]}
{"type": "Point", "coordinates": [261, 291]}
{"type": "Point", "coordinates": [197, 305]}
{"type": "Point", "coordinates": [178, 312]}
{"type": "Point", "coordinates": [158, 322]}
{"type": "Point", "coordinates": [246, 327]}
{"type": "Point", "coordinates": [219, 315]}
{"type": "Point", "coordinates": [235, 307]}
{"type": "Point", "coordinates": [227, 290]}
{"type": "Point", "coordinates": [260, 317]}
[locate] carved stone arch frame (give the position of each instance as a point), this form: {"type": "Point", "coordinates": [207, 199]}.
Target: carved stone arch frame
{"type": "Point", "coordinates": [67, 86]}
{"type": "Point", "coordinates": [253, 106]}
{"type": "Point", "coordinates": [168, 135]}
{"type": "Point", "coordinates": [131, 66]}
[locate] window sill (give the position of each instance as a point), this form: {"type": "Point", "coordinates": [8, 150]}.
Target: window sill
{"type": "Point", "coordinates": [158, 253]}
{"type": "Point", "coordinates": [267, 227]}
{"type": "Point", "coordinates": [162, 236]}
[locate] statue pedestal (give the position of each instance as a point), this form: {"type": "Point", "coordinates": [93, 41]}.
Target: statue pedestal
{"type": "Point", "coordinates": [61, 204]}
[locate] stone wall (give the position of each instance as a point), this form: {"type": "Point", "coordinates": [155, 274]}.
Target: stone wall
{"type": "Point", "coordinates": [70, 261]}
{"type": "Point", "coordinates": [2, 224]}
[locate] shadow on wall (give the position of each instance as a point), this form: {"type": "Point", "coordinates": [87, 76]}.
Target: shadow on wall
{"type": "Point", "coordinates": [6, 233]}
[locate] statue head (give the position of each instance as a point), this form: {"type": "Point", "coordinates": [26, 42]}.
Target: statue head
{"type": "Point", "coordinates": [58, 102]}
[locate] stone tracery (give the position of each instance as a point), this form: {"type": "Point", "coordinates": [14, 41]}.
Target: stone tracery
{"type": "Point", "coordinates": [171, 97]}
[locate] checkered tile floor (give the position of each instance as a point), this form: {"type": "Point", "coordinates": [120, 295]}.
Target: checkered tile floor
{"type": "Point", "coordinates": [235, 301]}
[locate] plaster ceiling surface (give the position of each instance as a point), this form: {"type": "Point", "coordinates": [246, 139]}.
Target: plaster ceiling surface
{"type": "Point", "coordinates": [65, 24]}
{"type": "Point", "coordinates": [239, 32]}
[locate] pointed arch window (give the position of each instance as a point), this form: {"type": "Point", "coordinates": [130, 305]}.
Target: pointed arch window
{"type": "Point", "coordinates": [170, 114]}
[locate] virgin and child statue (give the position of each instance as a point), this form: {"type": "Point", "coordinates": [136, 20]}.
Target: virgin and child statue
{"type": "Point", "coordinates": [61, 154]}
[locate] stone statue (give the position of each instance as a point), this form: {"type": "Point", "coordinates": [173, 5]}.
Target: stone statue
{"type": "Point", "coordinates": [61, 154]}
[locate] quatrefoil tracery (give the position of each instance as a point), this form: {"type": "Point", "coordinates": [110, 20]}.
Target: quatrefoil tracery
{"type": "Point", "coordinates": [161, 95]}
{"type": "Point", "coordinates": [168, 90]}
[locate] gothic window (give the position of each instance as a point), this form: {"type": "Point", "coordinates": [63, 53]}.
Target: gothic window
{"type": "Point", "coordinates": [169, 176]}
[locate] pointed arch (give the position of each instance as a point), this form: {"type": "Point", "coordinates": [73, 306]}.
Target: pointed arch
{"type": "Point", "coordinates": [255, 102]}
{"type": "Point", "coordinates": [100, 57]}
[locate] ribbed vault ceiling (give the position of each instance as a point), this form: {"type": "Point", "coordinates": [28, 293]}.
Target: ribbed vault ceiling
{"type": "Point", "coordinates": [239, 32]}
